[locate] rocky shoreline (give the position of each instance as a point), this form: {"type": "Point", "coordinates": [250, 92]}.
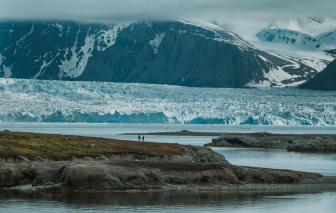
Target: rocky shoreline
{"type": "Point", "coordinates": [131, 166]}
{"type": "Point", "coordinates": [98, 176]}
{"type": "Point", "coordinates": [291, 142]}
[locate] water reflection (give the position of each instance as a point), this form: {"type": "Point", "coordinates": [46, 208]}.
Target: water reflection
{"type": "Point", "coordinates": [259, 201]}
{"type": "Point", "coordinates": [281, 159]}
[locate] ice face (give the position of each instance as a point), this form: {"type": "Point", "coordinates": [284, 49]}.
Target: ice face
{"type": "Point", "coordinates": [97, 102]}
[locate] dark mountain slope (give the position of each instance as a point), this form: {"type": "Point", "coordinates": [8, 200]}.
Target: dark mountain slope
{"type": "Point", "coordinates": [325, 80]}
{"type": "Point", "coordinates": [175, 52]}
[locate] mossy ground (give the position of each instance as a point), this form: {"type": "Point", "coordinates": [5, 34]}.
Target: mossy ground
{"type": "Point", "coordinates": [65, 147]}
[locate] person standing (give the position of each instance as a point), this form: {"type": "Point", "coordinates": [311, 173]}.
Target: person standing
{"type": "Point", "coordinates": [143, 138]}
{"type": "Point", "coordinates": [139, 137]}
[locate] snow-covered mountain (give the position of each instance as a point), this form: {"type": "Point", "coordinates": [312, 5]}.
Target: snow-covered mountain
{"type": "Point", "coordinates": [310, 26]}
{"type": "Point", "coordinates": [176, 52]}
{"type": "Point", "coordinates": [104, 102]}
{"type": "Point", "coordinates": [290, 37]}
{"type": "Point", "coordinates": [328, 39]}
{"type": "Point", "coordinates": [305, 33]}
{"type": "Point", "coordinates": [309, 40]}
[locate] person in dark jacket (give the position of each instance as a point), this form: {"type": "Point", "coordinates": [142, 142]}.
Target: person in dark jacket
{"type": "Point", "coordinates": [143, 138]}
{"type": "Point", "coordinates": [139, 137]}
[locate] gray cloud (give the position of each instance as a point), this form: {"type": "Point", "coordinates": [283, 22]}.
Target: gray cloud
{"type": "Point", "coordinates": [237, 14]}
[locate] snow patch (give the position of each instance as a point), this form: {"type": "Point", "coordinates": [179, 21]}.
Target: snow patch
{"type": "Point", "coordinates": [25, 36]}
{"type": "Point", "coordinates": [275, 76]}
{"type": "Point", "coordinates": [7, 71]}
{"type": "Point", "coordinates": [2, 58]}
{"type": "Point", "coordinates": [43, 66]}
{"type": "Point", "coordinates": [107, 38]}
{"type": "Point", "coordinates": [278, 75]}
{"type": "Point", "coordinates": [28, 52]}
{"type": "Point", "coordinates": [155, 43]}
{"type": "Point", "coordinates": [59, 26]}
{"type": "Point", "coordinates": [74, 67]}
{"type": "Point", "coordinates": [68, 31]}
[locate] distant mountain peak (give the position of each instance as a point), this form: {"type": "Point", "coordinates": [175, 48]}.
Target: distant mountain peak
{"type": "Point", "coordinates": [311, 41]}
{"type": "Point", "coordinates": [313, 26]}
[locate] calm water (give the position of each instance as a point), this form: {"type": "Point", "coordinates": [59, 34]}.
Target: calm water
{"type": "Point", "coordinates": [308, 201]}
{"type": "Point", "coordinates": [324, 164]}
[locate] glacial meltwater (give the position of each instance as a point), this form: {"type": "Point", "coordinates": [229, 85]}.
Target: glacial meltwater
{"type": "Point", "coordinates": [257, 201]}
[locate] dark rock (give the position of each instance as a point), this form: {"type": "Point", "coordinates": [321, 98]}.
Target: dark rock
{"type": "Point", "coordinates": [15, 175]}
{"type": "Point", "coordinates": [143, 175]}
{"type": "Point", "coordinates": [315, 145]}
{"type": "Point", "coordinates": [254, 140]}
{"type": "Point", "coordinates": [299, 143]}
{"type": "Point", "coordinates": [325, 80]}
{"type": "Point", "coordinates": [45, 176]}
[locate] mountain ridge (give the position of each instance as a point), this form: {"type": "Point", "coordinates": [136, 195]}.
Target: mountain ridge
{"type": "Point", "coordinates": [177, 52]}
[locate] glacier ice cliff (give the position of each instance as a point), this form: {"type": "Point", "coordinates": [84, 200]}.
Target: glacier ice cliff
{"type": "Point", "coordinates": [103, 102]}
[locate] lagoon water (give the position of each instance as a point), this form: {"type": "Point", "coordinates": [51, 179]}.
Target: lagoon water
{"type": "Point", "coordinates": [307, 201]}
{"type": "Point", "coordinates": [245, 202]}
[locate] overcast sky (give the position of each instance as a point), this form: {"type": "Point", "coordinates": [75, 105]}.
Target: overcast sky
{"type": "Point", "coordinates": [241, 16]}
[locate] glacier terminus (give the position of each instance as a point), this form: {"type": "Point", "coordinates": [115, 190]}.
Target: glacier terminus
{"type": "Point", "coordinates": [105, 102]}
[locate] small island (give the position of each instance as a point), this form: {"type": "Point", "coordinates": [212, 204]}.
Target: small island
{"type": "Point", "coordinates": [63, 163]}
{"type": "Point", "coordinates": [319, 143]}
{"type": "Point", "coordinates": [292, 142]}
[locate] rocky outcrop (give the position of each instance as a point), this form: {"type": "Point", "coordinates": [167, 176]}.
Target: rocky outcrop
{"type": "Point", "coordinates": [252, 140]}
{"type": "Point", "coordinates": [300, 143]}
{"type": "Point", "coordinates": [317, 145]}
{"type": "Point", "coordinates": [124, 165]}
{"type": "Point", "coordinates": [324, 80]}
{"type": "Point", "coordinates": [107, 176]}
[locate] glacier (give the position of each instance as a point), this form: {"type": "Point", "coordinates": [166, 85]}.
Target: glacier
{"type": "Point", "coordinates": [101, 102]}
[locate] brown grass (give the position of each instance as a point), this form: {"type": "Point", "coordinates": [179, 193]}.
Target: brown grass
{"type": "Point", "coordinates": [65, 147]}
